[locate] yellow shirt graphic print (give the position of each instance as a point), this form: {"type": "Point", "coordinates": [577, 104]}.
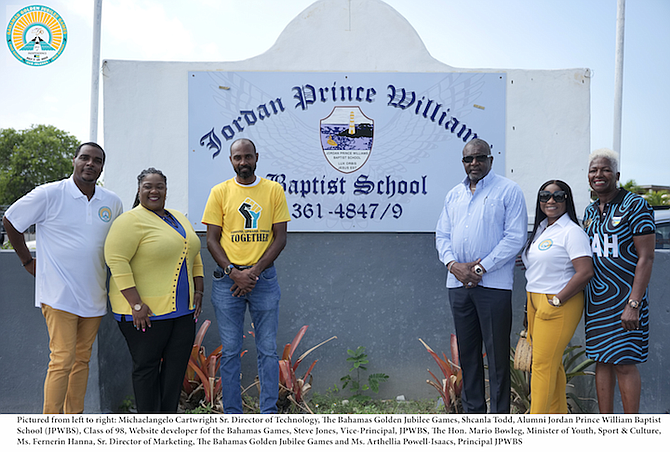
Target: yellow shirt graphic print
{"type": "Point", "coordinates": [246, 215]}
{"type": "Point", "coordinates": [251, 211]}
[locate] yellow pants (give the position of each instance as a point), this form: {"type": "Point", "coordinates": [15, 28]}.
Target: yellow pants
{"type": "Point", "coordinates": [550, 329]}
{"type": "Point", "coordinates": [70, 340]}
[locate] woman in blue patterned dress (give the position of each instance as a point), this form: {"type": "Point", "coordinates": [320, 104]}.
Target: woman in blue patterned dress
{"type": "Point", "coordinates": [621, 227]}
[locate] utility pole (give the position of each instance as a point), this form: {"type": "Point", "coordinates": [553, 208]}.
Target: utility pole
{"type": "Point", "coordinates": [95, 70]}
{"type": "Point", "coordinates": [618, 77]}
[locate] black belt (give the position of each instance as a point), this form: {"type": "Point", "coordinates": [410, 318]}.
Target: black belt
{"type": "Point", "coordinates": [245, 267]}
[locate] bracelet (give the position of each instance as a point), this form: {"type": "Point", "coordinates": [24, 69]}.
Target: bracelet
{"type": "Point", "coordinates": [451, 264]}
{"type": "Point", "coordinates": [28, 263]}
{"type": "Point", "coordinates": [200, 292]}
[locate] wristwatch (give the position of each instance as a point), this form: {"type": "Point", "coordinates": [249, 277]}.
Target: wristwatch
{"type": "Point", "coordinates": [633, 303]}
{"type": "Point", "coordinates": [555, 301]}
{"type": "Point", "coordinates": [138, 306]}
{"type": "Point", "coordinates": [479, 269]}
{"type": "Point", "coordinates": [228, 269]}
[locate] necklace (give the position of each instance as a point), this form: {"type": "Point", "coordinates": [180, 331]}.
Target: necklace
{"type": "Point", "coordinates": [168, 218]}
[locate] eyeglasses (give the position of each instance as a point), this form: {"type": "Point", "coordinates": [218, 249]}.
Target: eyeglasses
{"type": "Point", "coordinates": [479, 158]}
{"type": "Point", "coordinates": [559, 196]}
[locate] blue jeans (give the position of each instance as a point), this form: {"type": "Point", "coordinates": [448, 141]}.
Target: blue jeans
{"type": "Point", "coordinates": [263, 302]}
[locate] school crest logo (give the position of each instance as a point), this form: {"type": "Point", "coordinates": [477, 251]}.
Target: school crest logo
{"type": "Point", "coordinates": [616, 221]}
{"type": "Point", "coordinates": [346, 138]}
{"type": "Point", "coordinates": [36, 35]}
{"type": "Point", "coordinates": [545, 245]}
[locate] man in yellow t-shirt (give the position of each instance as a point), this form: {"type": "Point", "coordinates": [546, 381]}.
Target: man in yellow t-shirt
{"type": "Point", "coordinates": [246, 219]}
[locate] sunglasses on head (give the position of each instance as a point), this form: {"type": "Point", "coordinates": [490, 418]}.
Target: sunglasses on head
{"type": "Point", "coordinates": [559, 196]}
{"type": "Point", "coordinates": [479, 158]}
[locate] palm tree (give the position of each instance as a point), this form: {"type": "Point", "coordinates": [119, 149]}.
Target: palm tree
{"type": "Point", "coordinates": [632, 186]}
{"type": "Point", "coordinates": [657, 198]}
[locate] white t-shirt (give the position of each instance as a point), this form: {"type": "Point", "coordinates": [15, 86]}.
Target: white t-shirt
{"type": "Point", "coordinates": [70, 233]}
{"type": "Point", "coordinates": [549, 258]}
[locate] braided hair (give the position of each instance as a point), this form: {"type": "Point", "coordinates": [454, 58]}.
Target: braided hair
{"type": "Point", "coordinates": [140, 178]}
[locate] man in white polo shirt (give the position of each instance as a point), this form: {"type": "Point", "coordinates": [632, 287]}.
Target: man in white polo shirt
{"type": "Point", "coordinates": [71, 219]}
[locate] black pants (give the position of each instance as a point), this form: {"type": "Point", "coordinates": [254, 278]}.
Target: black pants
{"type": "Point", "coordinates": [483, 316]}
{"type": "Point", "coordinates": [160, 358]}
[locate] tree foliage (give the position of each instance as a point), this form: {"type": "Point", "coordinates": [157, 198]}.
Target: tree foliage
{"type": "Point", "coordinates": [632, 187]}
{"type": "Point", "coordinates": [657, 198]}
{"type": "Point", "coordinates": [654, 198]}
{"type": "Point", "coordinates": [33, 157]}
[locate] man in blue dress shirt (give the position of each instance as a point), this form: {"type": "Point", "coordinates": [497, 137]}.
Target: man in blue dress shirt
{"type": "Point", "coordinates": [482, 227]}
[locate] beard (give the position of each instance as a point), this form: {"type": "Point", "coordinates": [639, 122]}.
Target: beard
{"type": "Point", "coordinates": [89, 176]}
{"type": "Point", "coordinates": [245, 171]}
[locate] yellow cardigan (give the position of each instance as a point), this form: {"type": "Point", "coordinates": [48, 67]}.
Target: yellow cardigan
{"type": "Point", "coordinates": [143, 251]}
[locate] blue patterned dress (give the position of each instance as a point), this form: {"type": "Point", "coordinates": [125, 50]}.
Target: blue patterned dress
{"type": "Point", "coordinates": [614, 261]}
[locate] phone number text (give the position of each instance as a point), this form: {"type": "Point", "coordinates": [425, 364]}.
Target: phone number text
{"type": "Point", "coordinates": [372, 211]}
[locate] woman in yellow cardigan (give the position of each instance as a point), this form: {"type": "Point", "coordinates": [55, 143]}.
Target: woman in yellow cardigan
{"type": "Point", "coordinates": [156, 292]}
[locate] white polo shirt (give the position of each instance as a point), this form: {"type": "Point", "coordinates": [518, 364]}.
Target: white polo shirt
{"type": "Point", "coordinates": [70, 235]}
{"type": "Point", "coordinates": [549, 259]}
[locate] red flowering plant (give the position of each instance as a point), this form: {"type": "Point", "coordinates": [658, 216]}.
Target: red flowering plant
{"type": "Point", "coordinates": [201, 375]}
{"type": "Point", "coordinates": [292, 390]}
{"type": "Point", "coordinates": [451, 385]}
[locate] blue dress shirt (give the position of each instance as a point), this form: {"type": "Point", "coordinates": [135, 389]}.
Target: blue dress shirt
{"type": "Point", "coordinates": [491, 225]}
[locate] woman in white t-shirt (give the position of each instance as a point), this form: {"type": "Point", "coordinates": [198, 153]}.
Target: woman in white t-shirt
{"type": "Point", "coordinates": [558, 264]}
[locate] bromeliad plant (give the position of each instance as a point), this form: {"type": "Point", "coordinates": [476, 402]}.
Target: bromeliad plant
{"type": "Point", "coordinates": [575, 369]}
{"type": "Point", "coordinates": [451, 386]}
{"type": "Point", "coordinates": [201, 373]}
{"type": "Point", "coordinates": [520, 380]}
{"type": "Point", "coordinates": [292, 390]}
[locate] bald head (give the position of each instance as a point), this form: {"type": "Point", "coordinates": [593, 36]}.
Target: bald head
{"type": "Point", "coordinates": [243, 157]}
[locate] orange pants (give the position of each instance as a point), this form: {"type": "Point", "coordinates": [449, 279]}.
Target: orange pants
{"type": "Point", "coordinates": [550, 329]}
{"type": "Point", "coordinates": [70, 340]}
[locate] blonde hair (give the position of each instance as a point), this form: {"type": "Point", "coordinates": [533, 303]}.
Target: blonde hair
{"type": "Point", "coordinates": [608, 155]}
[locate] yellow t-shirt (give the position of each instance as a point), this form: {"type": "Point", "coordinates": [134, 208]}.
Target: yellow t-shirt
{"type": "Point", "coordinates": [246, 214]}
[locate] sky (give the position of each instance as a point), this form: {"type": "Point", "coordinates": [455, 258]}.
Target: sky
{"type": "Point", "coordinates": [510, 34]}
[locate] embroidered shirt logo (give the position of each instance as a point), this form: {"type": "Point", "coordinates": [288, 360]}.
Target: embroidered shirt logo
{"type": "Point", "coordinates": [251, 211]}
{"type": "Point", "coordinates": [545, 245]}
{"type": "Point", "coordinates": [105, 214]}
{"type": "Point", "coordinates": [616, 221]}
{"type": "Point", "coordinates": [36, 35]}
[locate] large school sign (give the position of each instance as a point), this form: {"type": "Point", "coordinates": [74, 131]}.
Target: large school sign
{"type": "Point", "coordinates": [353, 151]}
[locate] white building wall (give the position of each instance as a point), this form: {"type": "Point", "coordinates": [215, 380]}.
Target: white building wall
{"type": "Point", "coordinates": [146, 103]}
